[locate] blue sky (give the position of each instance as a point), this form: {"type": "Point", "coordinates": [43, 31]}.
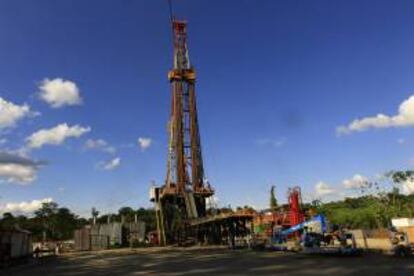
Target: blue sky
{"type": "Point", "coordinates": [275, 81]}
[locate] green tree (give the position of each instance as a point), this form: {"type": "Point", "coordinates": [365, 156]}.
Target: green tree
{"type": "Point", "coordinates": [45, 215]}
{"type": "Point", "coordinates": [65, 222]}
{"type": "Point", "coordinates": [401, 176]}
{"type": "Point", "coordinates": [8, 221]}
{"type": "Point", "coordinates": [111, 217]}
{"type": "Point", "coordinates": [49, 220]}
{"type": "Point", "coordinates": [148, 216]}
{"type": "Point", "coordinates": [273, 201]}
{"type": "Point", "coordinates": [95, 214]}
{"type": "Point", "coordinates": [128, 213]}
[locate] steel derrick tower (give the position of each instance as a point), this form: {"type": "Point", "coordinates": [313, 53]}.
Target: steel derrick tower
{"type": "Point", "coordinates": [183, 196]}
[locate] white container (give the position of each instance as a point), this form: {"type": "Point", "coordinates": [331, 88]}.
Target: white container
{"type": "Point", "coordinates": [402, 222]}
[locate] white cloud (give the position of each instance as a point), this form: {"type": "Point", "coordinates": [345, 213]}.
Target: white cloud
{"type": "Point", "coordinates": [59, 92]}
{"type": "Point", "coordinates": [93, 144]}
{"type": "Point", "coordinates": [18, 169]}
{"type": "Point", "coordinates": [356, 182]}
{"type": "Point", "coordinates": [24, 207]}
{"type": "Point", "coordinates": [408, 186]}
{"type": "Point", "coordinates": [277, 143]}
{"type": "Point", "coordinates": [322, 189]}
{"type": "Point", "coordinates": [347, 188]}
{"type": "Point", "coordinates": [110, 165]}
{"type": "Point", "coordinates": [11, 113]}
{"type": "Point", "coordinates": [404, 118]}
{"type": "Point", "coordinates": [17, 173]}
{"type": "Point", "coordinates": [56, 135]}
{"type": "Point", "coordinates": [99, 144]}
{"type": "Point", "coordinates": [144, 142]}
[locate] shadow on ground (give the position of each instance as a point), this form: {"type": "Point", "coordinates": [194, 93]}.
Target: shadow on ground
{"type": "Point", "coordinates": [213, 261]}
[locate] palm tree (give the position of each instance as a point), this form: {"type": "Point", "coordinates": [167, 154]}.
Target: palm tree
{"type": "Point", "coordinates": [95, 214]}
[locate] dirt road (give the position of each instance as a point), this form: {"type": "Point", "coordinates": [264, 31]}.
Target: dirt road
{"type": "Point", "coordinates": [215, 261]}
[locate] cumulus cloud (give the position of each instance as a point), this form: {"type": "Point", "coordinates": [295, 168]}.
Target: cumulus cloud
{"type": "Point", "coordinates": [408, 186]}
{"type": "Point", "coordinates": [322, 189]}
{"type": "Point", "coordinates": [18, 169]}
{"type": "Point", "coordinates": [110, 165]}
{"type": "Point", "coordinates": [144, 142]}
{"type": "Point", "coordinates": [24, 207]}
{"type": "Point", "coordinates": [17, 173]}
{"type": "Point", "coordinates": [11, 113]}
{"type": "Point", "coordinates": [404, 118]}
{"type": "Point", "coordinates": [277, 143]}
{"type": "Point", "coordinates": [59, 92]}
{"type": "Point", "coordinates": [356, 182]}
{"type": "Point", "coordinates": [56, 135]}
{"type": "Point", "coordinates": [99, 144]}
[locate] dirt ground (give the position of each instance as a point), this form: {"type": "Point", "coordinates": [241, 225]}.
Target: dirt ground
{"type": "Point", "coordinates": [216, 261]}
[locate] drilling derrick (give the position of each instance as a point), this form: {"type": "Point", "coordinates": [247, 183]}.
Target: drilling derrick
{"type": "Point", "coordinates": [183, 196]}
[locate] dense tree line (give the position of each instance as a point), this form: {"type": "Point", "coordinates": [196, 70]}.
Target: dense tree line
{"type": "Point", "coordinates": [51, 222]}
{"type": "Point", "coordinates": [127, 214]}
{"type": "Point", "coordinates": [375, 208]}
{"type": "Point", "coordinates": [368, 212]}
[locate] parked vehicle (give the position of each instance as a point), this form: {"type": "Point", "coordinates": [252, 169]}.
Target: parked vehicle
{"type": "Point", "coordinates": [401, 245]}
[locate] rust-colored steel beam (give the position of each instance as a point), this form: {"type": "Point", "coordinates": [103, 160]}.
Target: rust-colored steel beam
{"type": "Point", "coordinates": [185, 163]}
{"type": "Point", "coordinates": [183, 197]}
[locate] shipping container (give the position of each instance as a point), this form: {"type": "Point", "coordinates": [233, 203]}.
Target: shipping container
{"type": "Point", "coordinates": [104, 236]}
{"type": "Point", "coordinates": [82, 239]}
{"type": "Point", "coordinates": [15, 245]}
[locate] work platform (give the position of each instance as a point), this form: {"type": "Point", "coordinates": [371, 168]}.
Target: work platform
{"type": "Point", "coordinates": [222, 218]}
{"type": "Point", "coordinates": [219, 229]}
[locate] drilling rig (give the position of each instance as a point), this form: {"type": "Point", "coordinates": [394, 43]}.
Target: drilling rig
{"type": "Point", "coordinates": [183, 195]}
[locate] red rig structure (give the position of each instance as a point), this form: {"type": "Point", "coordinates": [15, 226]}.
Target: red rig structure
{"type": "Point", "coordinates": [282, 218]}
